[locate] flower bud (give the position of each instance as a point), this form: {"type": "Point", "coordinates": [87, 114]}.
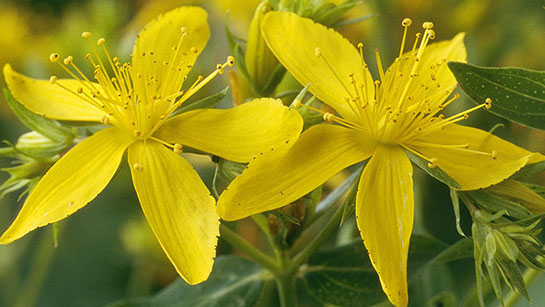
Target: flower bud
{"type": "Point", "coordinates": [259, 60]}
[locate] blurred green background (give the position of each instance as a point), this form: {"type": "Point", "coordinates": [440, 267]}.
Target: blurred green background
{"type": "Point", "coordinates": [106, 251]}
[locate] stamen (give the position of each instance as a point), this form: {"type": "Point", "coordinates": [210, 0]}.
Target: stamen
{"type": "Point", "coordinates": [54, 57]}
{"type": "Point", "coordinates": [432, 163]}
{"type": "Point", "coordinates": [379, 64]}
{"type": "Point", "coordinates": [53, 80]}
{"type": "Point", "coordinates": [177, 148]}
{"type": "Point", "coordinates": [488, 103]}
{"type": "Point", "coordinates": [406, 23]}
{"type": "Point", "coordinates": [418, 35]}
{"type": "Point", "coordinates": [328, 117]}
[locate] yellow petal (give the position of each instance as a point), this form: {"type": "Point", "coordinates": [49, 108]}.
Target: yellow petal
{"type": "Point", "coordinates": [474, 167]}
{"type": "Point", "coordinates": [160, 54]}
{"type": "Point", "coordinates": [285, 174]}
{"type": "Point", "coordinates": [432, 76]}
{"type": "Point", "coordinates": [236, 134]}
{"type": "Point", "coordinates": [178, 208]}
{"type": "Point", "coordinates": [294, 40]}
{"type": "Point", "coordinates": [51, 101]}
{"type": "Point", "coordinates": [384, 213]}
{"type": "Point", "coordinates": [72, 182]}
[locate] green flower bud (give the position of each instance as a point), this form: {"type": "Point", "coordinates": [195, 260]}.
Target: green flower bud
{"type": "Point", "coordinates": [36, 145]}
{"type": "Point", "coordinates": [517, 192]}
{"type": "Point", "coordinates": [260, 62]}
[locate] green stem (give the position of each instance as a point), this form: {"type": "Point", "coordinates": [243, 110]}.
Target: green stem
{"type": "Point", "coordinates": [38, 272]}
{"type": "Point", "coordinates": [242, 245]}
{"type": "Point", "coordinates": [286, 290]}
{"type": "Point", "coordinates": [529, 277]}
{"type": "Point", "coordinates": [323, 235]}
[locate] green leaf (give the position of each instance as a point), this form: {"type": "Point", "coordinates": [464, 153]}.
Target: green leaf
{"type": "Point", "coordinates": [234, 282]}
{"type": "Point", "coordinates": [206, 102]}
{"type": "Point", "coordinates": [462, 249]}
{"type": "Point", "coordinates": [52, 129]}
{"type": "Point", "coordinates": [229, 170]}
{"type": "Point", "coordinates": [493, 203]}
{"type": "Point", "coordinates": [435, 172]}
{"type": "Point", "coordinates": [529, 170]}
{"type": "Point", "coordinates": [517, 94]}
{"type": "Point", "coordinates": [456, 207]}
{"type": "Point", "coordinates": [344, 275]}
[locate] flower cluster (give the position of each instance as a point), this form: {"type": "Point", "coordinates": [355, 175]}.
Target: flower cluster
{"type": "Point", "coordinates": [387, 121]}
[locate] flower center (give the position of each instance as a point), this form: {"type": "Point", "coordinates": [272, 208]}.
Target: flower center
{"type": "Point", "coordinates": [136, 97]}
{"type": "Point", "coordinates": [408, 99]}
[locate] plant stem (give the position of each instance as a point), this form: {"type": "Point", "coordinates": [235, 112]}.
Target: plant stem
{"type": "Point", "coordinates": [239, 243]}
{"type": "Point", "coordinates": [323, 235]}
{"type": "Point", "coordinates": [43, 257]}
{"type": "Point", "coordinates": [286, 290]}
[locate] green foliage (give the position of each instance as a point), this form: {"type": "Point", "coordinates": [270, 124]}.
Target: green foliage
{"type": "Point", "coordinates": [344, 275]}
{"type": "Point", "coordinates": [435, 172]}
{"type": "Point", "coordinates": [234, 282]}
{"type": "Point", "coordinates": [205, 103]}
{"type": "Point", "coordinates": [49, 128]}
{"type": "Point", "coordinates": [517, 94]}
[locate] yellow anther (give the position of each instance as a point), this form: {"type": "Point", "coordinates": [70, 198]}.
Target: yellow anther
{"type": "Point", "coordinates": [407, 22]}
{"type": "Point", "coordinates": [177, 148]}
{"type": "Point", "coordinates": [427, 25]}
{"type": "Point", "coordinates": [488, 103]}
{"type": "Point", "coordinates": [296, 104]}
{"type": "Point", "coordinates": [317, 51]}
{"type": "Point", "coordinates": [219, 67]}
{"type": "Point", "coordinates": [136, 133]}
{"type": "Point", "coordinates": [138, 167]}
{"type": "Point", "coordinates": [432, 163]}
{"type": "Point", "coordinates": [54, 57]}
{"type": "Point", "coordinates": [230, 61]}
{"type": "Point", "coordinates": [101, 41]}
{"type": "Point", "coordinates": [114, 80]}
{"type": "Point", "coordinates": [80, 90]}
{"type": "Point", "coordinates": [194, 49]}
{"type": "Point", "coordinates": [68, 60]}
{"type": "Point", "coordinates": [105, 120]}
{"type": "Point", "coordinates": [494, 154]}
{"type": "Point", "coordinates": [328, 117]}
{"type": "Point", "coordinates": [88, 56]}
{"type": "Point", "coordinates": [360, 45]}
{"type": "Point", "coordinates": [466, 116]}
{"type": "Point", "coordinates": [377, 83]}
{"type": "Point", "coordinates": [431, 33]}
{"type": "Point", "coordinates": [184, 30]}
{"type": "Point", "coordinates": [86, 34]}
{"type": "Point", "coordinates": [53, 79]}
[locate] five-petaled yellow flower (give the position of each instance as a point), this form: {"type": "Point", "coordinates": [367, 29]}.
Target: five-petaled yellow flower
{"type": "Point", "coordinates": [137, 99]}
{"type": "Point", "coordinates": [381, 120]}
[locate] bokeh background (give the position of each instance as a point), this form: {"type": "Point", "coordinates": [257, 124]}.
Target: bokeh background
{"type": "Point", "coordinates": [106, 251]}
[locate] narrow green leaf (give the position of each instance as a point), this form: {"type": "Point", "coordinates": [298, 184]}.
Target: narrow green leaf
{"type": "Point", "coordinates": [234, 282]}
{"type": "Point", "coordinates": [530, 169]}
{"type": "Point", "coordinates": [456, 207]}
{"type": "Point", "coordinates": [344, 276]}
{"type": "Point", "coordinates": [494, 203]}
{"type": "Point", "coordinates": [206, 102]}
{"type": "Point", "coordinates": [435, 172]}
{"type": "Point", "coordinates": [47, 127]}
{"type": "Point", "coordinates": [462, 249]}
{"type": "Point", "coordinates": [517, 94]}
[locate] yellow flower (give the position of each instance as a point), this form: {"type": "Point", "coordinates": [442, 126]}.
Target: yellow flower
{"type": "Point", "coordinates": [136, 99]}
{"type": "Point", "coordinates": [381, 120]}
